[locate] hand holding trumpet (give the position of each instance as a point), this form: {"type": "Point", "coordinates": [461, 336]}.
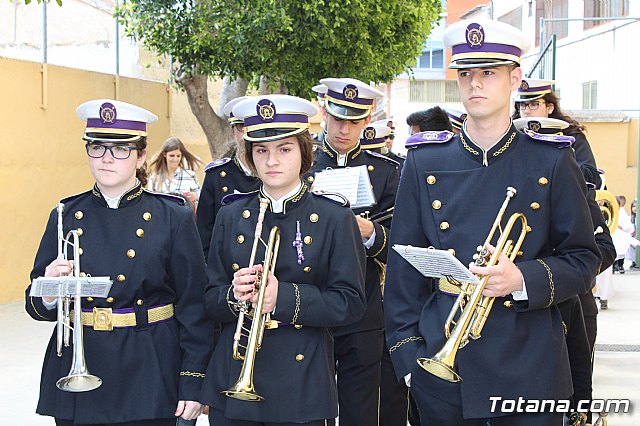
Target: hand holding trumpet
{"type": "Point", "coordinates": [504, 276]}
{"type": "Point", "coordinates": [244, 288]}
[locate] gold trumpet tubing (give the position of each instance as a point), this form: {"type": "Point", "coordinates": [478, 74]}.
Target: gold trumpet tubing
{"type": "Point", "coordinates": [442, 363]}
{"type": "Point", "coordinates": [485, 305]}
{"type": "Point", "coordinates": [264, 203]}
{"type": "Point", "coordinates": [244, 387]}
{"type": "Point", "coordinates": [512, 251]}
{"type": "Point", "coordinates": [451, 319]}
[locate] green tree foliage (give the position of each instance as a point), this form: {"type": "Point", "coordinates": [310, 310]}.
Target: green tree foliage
{"type": "Point", "coordinates": [294, 42]}
{"type": "Point", "coordinates": [59, 2]}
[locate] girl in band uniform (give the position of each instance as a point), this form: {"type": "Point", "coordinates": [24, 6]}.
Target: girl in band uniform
{"type": "Point", "coordinates": [317, 284]}
{"type": "Point", "coordinates": [152, 347]}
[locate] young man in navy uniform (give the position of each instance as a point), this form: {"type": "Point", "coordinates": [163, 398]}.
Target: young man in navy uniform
{"type": "Point", "coordinates": [451, 191]}
{"type": "Point", "coordinates": [318, 281]}
{"type": "Point", "coordinates": [347, 107]}
{"type": "Point", "coordinates": [223, 177]}
{"type": "Point", "coordinates": [149, 339]}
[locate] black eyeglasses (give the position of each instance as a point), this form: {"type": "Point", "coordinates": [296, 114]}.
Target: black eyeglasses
{"type": "Point", "coordinates": [533, 106]}
{"type": "Point", "coordinates": [119, 152]}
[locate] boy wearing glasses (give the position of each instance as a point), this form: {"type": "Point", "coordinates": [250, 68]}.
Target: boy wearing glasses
{"type": "Point", "coordinates": [149, 339]}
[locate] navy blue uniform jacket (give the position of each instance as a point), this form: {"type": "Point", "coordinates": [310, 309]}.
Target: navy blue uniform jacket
{"type": "Point", "coordinates": [383, 173]}
{"type": "Point", "coordinates": [448, 198]}
{"type": "Point", "coordinates": [294, 369]}
{"type": "Point", "coordinates": [222, 177]}
{"type": "Point", "coordinates": [146, 369]}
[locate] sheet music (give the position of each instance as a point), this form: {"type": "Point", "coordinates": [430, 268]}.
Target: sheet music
{"type": "Point", "coordinates": [66, 286]}
{"type": "Point", "coordinates": [435, 263]}
{"type": "Point", "coordinates": [351, 182]}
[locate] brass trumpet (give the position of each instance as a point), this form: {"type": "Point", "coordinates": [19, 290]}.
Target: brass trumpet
{"type": "Point", "coordinates": [79, 379]}
{"type": "Point", "coordinates": [244, 388]}
{"type": "Point", "coordinates": [474, 307]}
{"type": "Point", "coordinates": [609, 207]}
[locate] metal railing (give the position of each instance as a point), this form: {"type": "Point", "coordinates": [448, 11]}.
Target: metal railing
{"type": "Point", "coordinates": [80, 34]}
{"type": "Point", "coordinates": [545, 65]}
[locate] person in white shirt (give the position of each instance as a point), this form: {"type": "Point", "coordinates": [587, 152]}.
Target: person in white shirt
{"type": "Point", "coordinates": [172, 171]}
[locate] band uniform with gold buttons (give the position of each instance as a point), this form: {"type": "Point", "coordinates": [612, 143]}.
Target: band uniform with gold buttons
{"type": "Point", "coordinates": [222, 177]}
{"type": "Point", "coordinates": [150, 337]}
{"type": "Point", "coordinates": [559, 259]}
{"type": "Point", "coordinates": [319, 267]}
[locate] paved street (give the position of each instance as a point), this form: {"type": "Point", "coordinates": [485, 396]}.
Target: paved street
{"type": "Point", "coordinates": [617, 375]}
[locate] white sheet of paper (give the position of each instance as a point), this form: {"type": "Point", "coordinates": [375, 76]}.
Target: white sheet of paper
{"type": "Point", "coordinates": [66, 286]}
{"type": "Point", "coordinates": [435, 263]}
{"type": "Point", "coordinates": [351, 182]}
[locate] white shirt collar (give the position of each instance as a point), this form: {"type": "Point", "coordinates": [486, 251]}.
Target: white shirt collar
{"type": "Point", "coordinates": [277, 206]}
{"type": "Point", "coordinates": [244, 168]}
{"type": "Point", "coordinates": [114, 203]}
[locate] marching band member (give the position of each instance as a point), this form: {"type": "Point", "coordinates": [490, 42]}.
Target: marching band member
{"type": "Point", "coordinates": [148, 341]}
{"type": "Point", "coordinates": [451, 190]}
{"type": "Point", "coordinates": [580, 329]}
{"type": "Point", "coordinates": [318, 280]}
{"type": "Point", "coordinates": [223, 177]}
{"type": "Point", "coordinates": [535, 99]}
{"type": "Point", "coordinates": [358, 346]}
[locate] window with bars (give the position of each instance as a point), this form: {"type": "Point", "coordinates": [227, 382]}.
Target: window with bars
{"type": "Point", "coordinates": [590, 95]}
{"type": "Point", "coordinates": [604, 9]}
{"type": "Point", "coordinates": [434, 91]}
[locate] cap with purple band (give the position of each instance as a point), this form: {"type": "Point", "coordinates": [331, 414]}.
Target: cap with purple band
{"type": "Point", "coordinates": [531, 89]}
{"type": "Point", "coordinates": [114, 121]}
{"type": "Point", "coordinates": [228, 110]}
{"type": "Point", "coordinates": [348, 98]}
{"type": "Point", "coordinates": [272, 117]}
{"type": "Point", "coordinates": [321, 90]}
{"type": "Point", "coordinates": [374, 136]}
{"type": "Point", "coordinates": [484, 43]}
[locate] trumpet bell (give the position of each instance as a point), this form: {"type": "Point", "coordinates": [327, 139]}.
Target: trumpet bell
{"type": "Point", "coordinates": [243, 394]}
{"type": "Point", "coordinates": [440, 369]}
{"type": "Point", "coordinates": [79, 383]}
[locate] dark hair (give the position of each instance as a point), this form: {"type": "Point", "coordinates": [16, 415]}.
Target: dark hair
{"type": "Point", "coordinates": [305, 141]}
{"type": "Point", "coordinates": [432, 119]}
{"type": "Point", "coordinates": [158, 165]}
{"type": "Point", "coordinates": [557, 113]}
{"type": "Point", "coordinates": [141, 172]}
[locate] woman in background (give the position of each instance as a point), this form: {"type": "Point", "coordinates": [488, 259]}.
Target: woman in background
{"type": "Point", "coordinates": [172, 171]}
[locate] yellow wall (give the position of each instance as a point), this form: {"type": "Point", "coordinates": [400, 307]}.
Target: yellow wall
{"type": "Point", "coordinates": [615, 146]}
{"type": "Point", "coordinates": [43, 158]}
